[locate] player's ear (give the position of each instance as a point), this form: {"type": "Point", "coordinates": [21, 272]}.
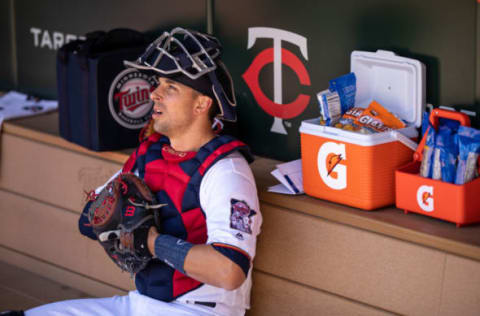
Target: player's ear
{"type": "Point", "coordinates": [202, 104]}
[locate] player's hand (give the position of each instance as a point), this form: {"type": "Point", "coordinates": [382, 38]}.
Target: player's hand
{"type": "Point", "coordinates": [152, 235]}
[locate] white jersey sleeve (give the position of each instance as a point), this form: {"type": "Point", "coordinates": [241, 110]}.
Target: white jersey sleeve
{"type": "Point", "coordinates": [228, 196]}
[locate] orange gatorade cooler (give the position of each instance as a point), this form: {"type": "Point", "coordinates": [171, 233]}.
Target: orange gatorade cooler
{"type": "Point", "coordinates": [359, 169]}
{"type": "Point", "coordinates": [451, 202]}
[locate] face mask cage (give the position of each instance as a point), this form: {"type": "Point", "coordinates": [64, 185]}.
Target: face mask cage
{"type": "Point", "coordinates": [192, 54]}
{"type": "Point", "coordinates": [180, 51]}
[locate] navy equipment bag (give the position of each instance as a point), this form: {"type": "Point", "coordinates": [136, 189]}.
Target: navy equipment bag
{"type": "Point", "coordinates": [103, 105]}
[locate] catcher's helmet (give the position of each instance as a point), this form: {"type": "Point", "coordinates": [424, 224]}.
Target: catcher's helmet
{"type": "Point", "coordinates": [191, 58]}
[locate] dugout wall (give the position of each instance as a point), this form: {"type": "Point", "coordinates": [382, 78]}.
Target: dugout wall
{"type": "Point", "coordinates": [316, 38]}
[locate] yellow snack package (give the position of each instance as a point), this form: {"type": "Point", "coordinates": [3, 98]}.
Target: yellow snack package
{"type": "Point", "coordinates": [346, 122]}
{"type": "Point", "coordinates": [351, 114]}
{"type": "Point", "coordinates": [376, 118]}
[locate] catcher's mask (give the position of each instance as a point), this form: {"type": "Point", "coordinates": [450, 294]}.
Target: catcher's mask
{"type": "Point", "coordinates": [193, 59]}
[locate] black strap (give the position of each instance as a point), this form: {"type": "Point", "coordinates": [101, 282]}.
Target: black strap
{"type": "Point", "coordinates": [86, 106]}
{"type": "Point", "coordinates": [62, 57]}
{"type": "Point", "coordinates": [100, 41]}
{"type": "Point", "coordinates": [12, 313]}
{"type": "Point", "coordinates": [119, 38]}
{"type": "Point", "coordinates": [208, 304]}
{"type": "Point", "coordinates": [63, 51]}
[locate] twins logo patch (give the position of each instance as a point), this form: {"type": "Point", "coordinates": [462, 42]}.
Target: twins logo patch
{"type": "Point", "coordinates": [241, 216]}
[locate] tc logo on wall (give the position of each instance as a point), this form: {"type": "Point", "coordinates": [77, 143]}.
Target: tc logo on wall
{"type": "Point", "coordinates": [129, 98]}
{"type": "Point", "coordinates": [278, 56]}
{"type": "Point", "coordinates": [333, 174]}
{"type": "Point", "coordinates": [425, 198]}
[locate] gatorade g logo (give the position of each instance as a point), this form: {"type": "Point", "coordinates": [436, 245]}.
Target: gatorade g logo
{"type": "Point", "coordinates": [278, 56]}
{"type": "Point", "coordinates": [333, 174]}
{"type": "Point", "coordinates": [332, 161]}
{"type": "Point", "coordinates": [425, 198]}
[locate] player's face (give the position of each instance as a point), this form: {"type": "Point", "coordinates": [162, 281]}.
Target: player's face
{"type": "Point", "coordinates": [173, 107]}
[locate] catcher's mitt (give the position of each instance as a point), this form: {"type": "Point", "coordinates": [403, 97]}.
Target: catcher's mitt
{"type": "Point", "coordinates": [121, 215]}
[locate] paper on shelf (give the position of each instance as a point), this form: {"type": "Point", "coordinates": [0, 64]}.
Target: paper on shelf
{"type": "Point", "coordinates": [14, 105]}
{"type": "Point", "coordinates": [290, 176]}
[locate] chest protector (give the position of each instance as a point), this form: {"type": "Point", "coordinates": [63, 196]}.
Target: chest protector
{"type": "Point", "coordinates": [175, 178]}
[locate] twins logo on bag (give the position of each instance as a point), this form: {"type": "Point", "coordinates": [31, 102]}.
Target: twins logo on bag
{"type": "Point", "coordinates": [129, 98]}
{"type": "Point", "coordinates": [425, 198]}
{"type": "Point", "coordinates": [329, 158]}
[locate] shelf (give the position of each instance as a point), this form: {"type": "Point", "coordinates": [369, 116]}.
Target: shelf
{"type": "Point", "coordinates": [390, 221]}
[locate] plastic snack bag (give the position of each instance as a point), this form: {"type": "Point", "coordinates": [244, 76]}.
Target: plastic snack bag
{"type": "Point", "coordinates": [445, 154]}
{"type": "Point", "coordinates": [426, 165]}
{"type": "Point", "coordinates": [338, 98]}
{"type": "Point", "coordinates": [346, 87]}
{"type": "Point", "coordinates": [469, 150]}
{"type": "Point", "coordinates": [346, 122]}
{"type": "Point", "coordinates": [330, 107]}
{"type": "Point", "coordinates": [425, 122]}
{"type": "Point", "coordinates": [378, 119]}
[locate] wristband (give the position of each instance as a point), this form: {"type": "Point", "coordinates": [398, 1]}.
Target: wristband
{"type": "Point", "coordinates": [172, 251]}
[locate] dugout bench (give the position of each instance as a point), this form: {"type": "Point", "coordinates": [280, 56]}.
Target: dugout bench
{"type": "Point", "coordinates": [313, 257]}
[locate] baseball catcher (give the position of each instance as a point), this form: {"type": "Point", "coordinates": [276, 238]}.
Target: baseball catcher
{"type": "Point", "coordinates": [196, 259]}
{"type": "Point", "coordinates": [120, 216]}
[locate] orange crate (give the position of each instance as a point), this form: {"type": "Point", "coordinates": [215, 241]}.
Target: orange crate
{"type": "Point", "coordinates": [451, 202]}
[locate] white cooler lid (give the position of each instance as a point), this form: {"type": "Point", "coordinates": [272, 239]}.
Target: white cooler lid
{"type": "Point", "coordinates": [397, 83]}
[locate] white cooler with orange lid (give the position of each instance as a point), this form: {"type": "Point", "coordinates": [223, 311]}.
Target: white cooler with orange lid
{"type": "Point", "coordinates": [359, 169]}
